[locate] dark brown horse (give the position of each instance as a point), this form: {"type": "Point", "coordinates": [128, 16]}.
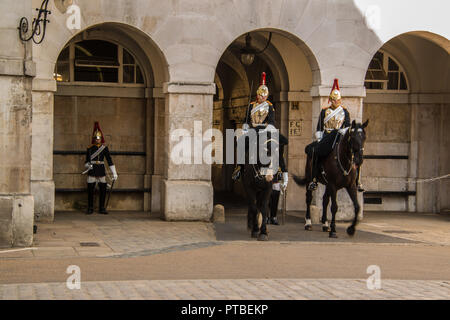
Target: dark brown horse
{"type": "Point", "coordinates": [340, 168]}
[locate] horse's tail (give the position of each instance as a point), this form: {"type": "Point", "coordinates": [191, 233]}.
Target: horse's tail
{"type": "Point", "coordinates": [299, 181]}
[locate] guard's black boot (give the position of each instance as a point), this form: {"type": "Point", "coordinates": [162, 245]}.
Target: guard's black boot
{"type": "Point", "coordinates": [274, 198]}
{"type": "Point", "coordinates": [91, 188]}
{"type": "Point", "coordinates": [102, 209]}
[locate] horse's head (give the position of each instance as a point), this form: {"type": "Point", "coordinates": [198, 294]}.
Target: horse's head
{"type": "Point", "coordinates": [357, 138]}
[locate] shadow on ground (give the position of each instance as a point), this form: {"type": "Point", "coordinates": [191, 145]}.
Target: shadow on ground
{"type": "Point", "coordinates": [235, 229]}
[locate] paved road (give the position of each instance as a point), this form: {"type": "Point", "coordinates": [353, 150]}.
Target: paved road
{"type": "Point", "coordinates": [134, 250]}
{"type": "Point", "coordinates": [236, 289]}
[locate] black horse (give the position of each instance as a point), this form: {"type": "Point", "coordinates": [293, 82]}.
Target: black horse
{"type": "Point", "coordinates": [340, 168]}
{"type": "Point", "coordinates": [258, 185]}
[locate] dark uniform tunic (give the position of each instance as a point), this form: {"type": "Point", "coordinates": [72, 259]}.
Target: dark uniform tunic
{"type": "Point", "coordinates": [98, 169]}
{"type": "Point", "coordinates": [330, 131]}
{"type": "Point", "coordinates": [264, 117]}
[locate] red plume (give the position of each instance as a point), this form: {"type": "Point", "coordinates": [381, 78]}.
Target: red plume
{"type": "Point", "coordinates": [97, 127]}
{"type": "Point", "coordinates": [263, 79]}
{"type": "Point", "coordinates": [335, 85]}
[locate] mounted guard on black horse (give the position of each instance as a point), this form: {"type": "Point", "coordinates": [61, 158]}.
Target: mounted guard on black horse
{"type": "Point", "coordinates": [334, 160]}
{"type": "Point", "coordinates": [261, 142]}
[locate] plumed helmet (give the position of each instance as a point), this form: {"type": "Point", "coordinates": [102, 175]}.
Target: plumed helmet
{"type": "Point", "coordinates": [97, 133]}
{"type": "Point", "coordinates": [263, 91]}
{"type": "Point", "coordinates": [335, 93]}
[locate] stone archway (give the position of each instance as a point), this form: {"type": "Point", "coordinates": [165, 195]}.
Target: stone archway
{"type": "Point", "coordinates": [291, 72]}
{"type": "Point", "coordinates": [413, 121]}
{"type": "Point", "coordinates": [139, 153]}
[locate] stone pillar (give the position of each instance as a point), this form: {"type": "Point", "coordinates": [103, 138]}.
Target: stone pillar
{"type": "Point", "coordinates": [186, 190]}
{"type": "Point", "coordinates": [16, 72]}
{"type": "Point", "coordinates": [42, 184]}
{"type": "Point", "coordinates": [149, 148]}
{"type": "Point", "coordinates": [159, 133]}
{"type": "Point", "coordinates": [352, 99]}
{"type": "Point", "coordinates": [413, 157]}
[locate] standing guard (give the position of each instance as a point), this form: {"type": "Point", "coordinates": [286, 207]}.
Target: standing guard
{"type": "Point", "coordinates": [280, 183]}
{"type": "Point", "coordinates": [95, 165]}
{"type": "Point", "coordinates": [333, 122]}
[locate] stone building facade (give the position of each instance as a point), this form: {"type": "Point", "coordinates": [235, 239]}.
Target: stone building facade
{"type": "Point", "coordinates": [175, 62]}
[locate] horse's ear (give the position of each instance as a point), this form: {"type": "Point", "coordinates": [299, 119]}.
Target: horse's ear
{"type": "Point", "coordinates": [353, 124]}
{"type": "Point", "coordinates": [365, 123]}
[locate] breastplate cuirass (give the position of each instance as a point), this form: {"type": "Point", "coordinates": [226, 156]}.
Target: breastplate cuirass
{"type": "Point", "coordinates": [334, 122]}
{"type": "Point", "coordinates": [259, 113]}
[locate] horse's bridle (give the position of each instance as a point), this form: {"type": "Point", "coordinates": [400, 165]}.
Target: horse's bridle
{"type": "Point", "coordinates": [361, 150]}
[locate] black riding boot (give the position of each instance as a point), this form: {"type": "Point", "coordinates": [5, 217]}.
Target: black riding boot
{"type": "Point", "coordinates": [90, 188]}
{"type": "Point", "coordinates": [274, 198]}
{"type": "Point", "coordinates": [102, 197]}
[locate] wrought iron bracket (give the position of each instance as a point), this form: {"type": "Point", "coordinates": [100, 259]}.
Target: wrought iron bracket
{"type": "Point", "coordinates": [38, 26]}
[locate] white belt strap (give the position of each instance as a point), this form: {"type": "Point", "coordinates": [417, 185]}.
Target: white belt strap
{"type": "Point", "coordinates": [260, 107]}
{"type": "Point", "coordinates": [96, 153]}
{"type": "Point", "coordinates": [331, 115]}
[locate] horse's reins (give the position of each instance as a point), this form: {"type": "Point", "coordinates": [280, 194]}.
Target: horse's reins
{"type": "Point", "coordinates": [345, 172]}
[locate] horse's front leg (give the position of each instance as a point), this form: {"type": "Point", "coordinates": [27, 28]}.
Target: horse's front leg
{"type": "Point", "coordinates": [353, 195]}
{"type": "Point", "coordinates": [264, 207]}
{"type": "Point", "coordinates": [308, 224]}
{"type": "Point", "coordinates": [325, 201]}
{"type": "Point", "coordinates": [334, 209]}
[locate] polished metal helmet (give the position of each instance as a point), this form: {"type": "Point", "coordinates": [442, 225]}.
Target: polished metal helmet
{"type": "Point", "coordinates": [263, 90]}
{"type": "Point", "coordinates": [97, 133]}
{"type": "Point", "coordinates": [335, 93]}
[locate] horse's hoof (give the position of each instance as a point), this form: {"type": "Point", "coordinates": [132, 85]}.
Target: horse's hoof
{"type": "Point", "coordinates": [255, 234]}
{"type": "Point", "coordinates": [351, 231]}
{"type": "Point", "coordinates": [333, 235]}
{"type": "Point", "coordinates": [263, 237]}
{"type": "Point", "coordinates": [326, 229]}
{"type": "Point", "coordinates": [308, 227]}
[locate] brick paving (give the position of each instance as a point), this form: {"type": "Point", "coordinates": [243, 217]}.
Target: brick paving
{"type": "Point", "coordinates": [231, 289]}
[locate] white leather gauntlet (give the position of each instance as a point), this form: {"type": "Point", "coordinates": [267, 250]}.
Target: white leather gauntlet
{"type": "Point", "coordinates": [319, 135]}
{"type": "Point", "coordinates": [343, 131]}
{"type": "Point", "coordinates": [114, 172]}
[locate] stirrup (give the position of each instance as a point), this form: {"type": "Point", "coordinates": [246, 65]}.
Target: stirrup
{"type": "Point", "coordinates": [312, 186]}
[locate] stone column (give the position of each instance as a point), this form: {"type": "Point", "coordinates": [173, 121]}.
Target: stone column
{"type": "Point", "coordinates": [149, 147]}
{"type": "Point", "coordinates": [42, 184]}
{"type": "Point", "coordinates": [186, 190]}
{"type": "Point", "coordinates": [16, 72]}
{"type": "Point", "coordinates": [159, 134]}
{"type": "Point", "coordinates": [352, 99]}
{"type": "Point", "coordinates": [413, 157]}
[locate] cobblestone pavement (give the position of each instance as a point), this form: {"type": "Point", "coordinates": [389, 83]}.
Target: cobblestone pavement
{"type": "Point", "coordinates": [248, 289]}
